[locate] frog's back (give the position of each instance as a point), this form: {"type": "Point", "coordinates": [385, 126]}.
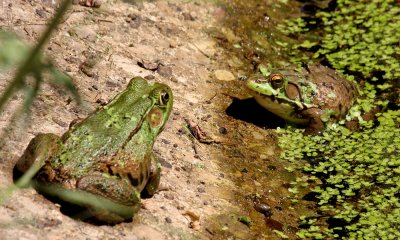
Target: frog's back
{"type": "Point", "coordinates": [334, 91]}
{"type": "Point", "coordinates": [103, 134]}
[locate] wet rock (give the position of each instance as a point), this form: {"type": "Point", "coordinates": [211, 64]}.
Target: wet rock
{"type": "Point", "coordinates": [224, 75]}
{"type": "Point", "coordinates": [264, 209]}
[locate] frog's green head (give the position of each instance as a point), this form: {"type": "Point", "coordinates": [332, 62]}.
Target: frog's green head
{"type": "Point", "coordinates": [162, 99]}
{"type": "Point", "coordinates": [278, 86]}
{"type": "Point", "coordinates": [156, 98]}
{"type": "Point", "coordinates": [278, 92]}
{"type": "Point", "coordinates": [142, 102]}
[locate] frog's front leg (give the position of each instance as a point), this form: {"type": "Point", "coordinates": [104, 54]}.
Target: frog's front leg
{"type": "Point", "coordinates": [40, 149]}
{"type": "Point", "coordinates": [154, 178]}
{"type": "Point", "coordinates": [316, 125]}
{"type": "Point", "coordinates": [118, 191]}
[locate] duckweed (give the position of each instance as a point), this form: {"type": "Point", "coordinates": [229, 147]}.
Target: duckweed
{"type": "Point", "coordinates": [355, 177]}
{"type": "Point", "coordinates": [360, 37]}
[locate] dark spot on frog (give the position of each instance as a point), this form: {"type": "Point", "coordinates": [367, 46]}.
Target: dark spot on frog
{"type": "Point", "coordinates": [250, 111]}
{"type": "Point", "coordinates": [329, 85]}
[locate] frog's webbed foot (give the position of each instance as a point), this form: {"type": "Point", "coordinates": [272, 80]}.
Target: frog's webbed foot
{"type": "Point", "coordinates": [154, 178]}
{"type": "Point", "coordinates": [40, 149]}
{"type": "Point", "coordinates": [119, 192]}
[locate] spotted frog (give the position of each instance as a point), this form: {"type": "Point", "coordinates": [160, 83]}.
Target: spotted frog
{"type": "Point", "coordinates": [105, 162]}
{"type": "Point", "coordinates": [310, 96]}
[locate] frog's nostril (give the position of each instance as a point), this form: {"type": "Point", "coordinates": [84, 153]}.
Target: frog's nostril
{"type": "Point", "coordinates": [261, 80]}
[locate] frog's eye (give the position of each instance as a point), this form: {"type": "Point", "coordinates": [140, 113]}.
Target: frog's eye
{"type": "Point", "coordinates": [276, 80]}
{"type": "Point", "coordinates": [164, 97]}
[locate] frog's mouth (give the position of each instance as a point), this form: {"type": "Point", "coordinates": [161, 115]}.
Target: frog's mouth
{"type": "Point", "coordinates": [284, 108]}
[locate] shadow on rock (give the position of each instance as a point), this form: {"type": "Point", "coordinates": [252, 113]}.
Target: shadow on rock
{"type": "Point", "coordinates": [250, 111]}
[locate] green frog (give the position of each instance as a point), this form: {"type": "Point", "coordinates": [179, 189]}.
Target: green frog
{"type": "Point", "coordinates": [105, 162]}
{"type": "Point", "coordinates": [310, 96]}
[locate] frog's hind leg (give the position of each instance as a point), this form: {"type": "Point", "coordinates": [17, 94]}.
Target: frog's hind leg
{"type": "Point", "coordinates": [154, 178]}
{"type": "Point", "coordinates": [40, 149]}
{"type": "Point", "coordinates": [113, 200]}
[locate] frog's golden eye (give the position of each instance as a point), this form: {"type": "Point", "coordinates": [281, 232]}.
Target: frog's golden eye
{"type": "Point", "coordinates": [276, 80]}
{"type": "Point", "coordinates": [164, 97]}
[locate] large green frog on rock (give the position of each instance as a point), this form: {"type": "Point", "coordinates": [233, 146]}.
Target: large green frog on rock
{"type": "Point", "coordinates": [311, 96]}
{"type": "Point", "coordinates": [105, 162]}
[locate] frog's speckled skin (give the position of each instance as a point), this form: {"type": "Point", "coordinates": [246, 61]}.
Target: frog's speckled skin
{"type": "Point", "coordinates": [308, 97]}
{"type": "Point", "coordinates": [110, 153]}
